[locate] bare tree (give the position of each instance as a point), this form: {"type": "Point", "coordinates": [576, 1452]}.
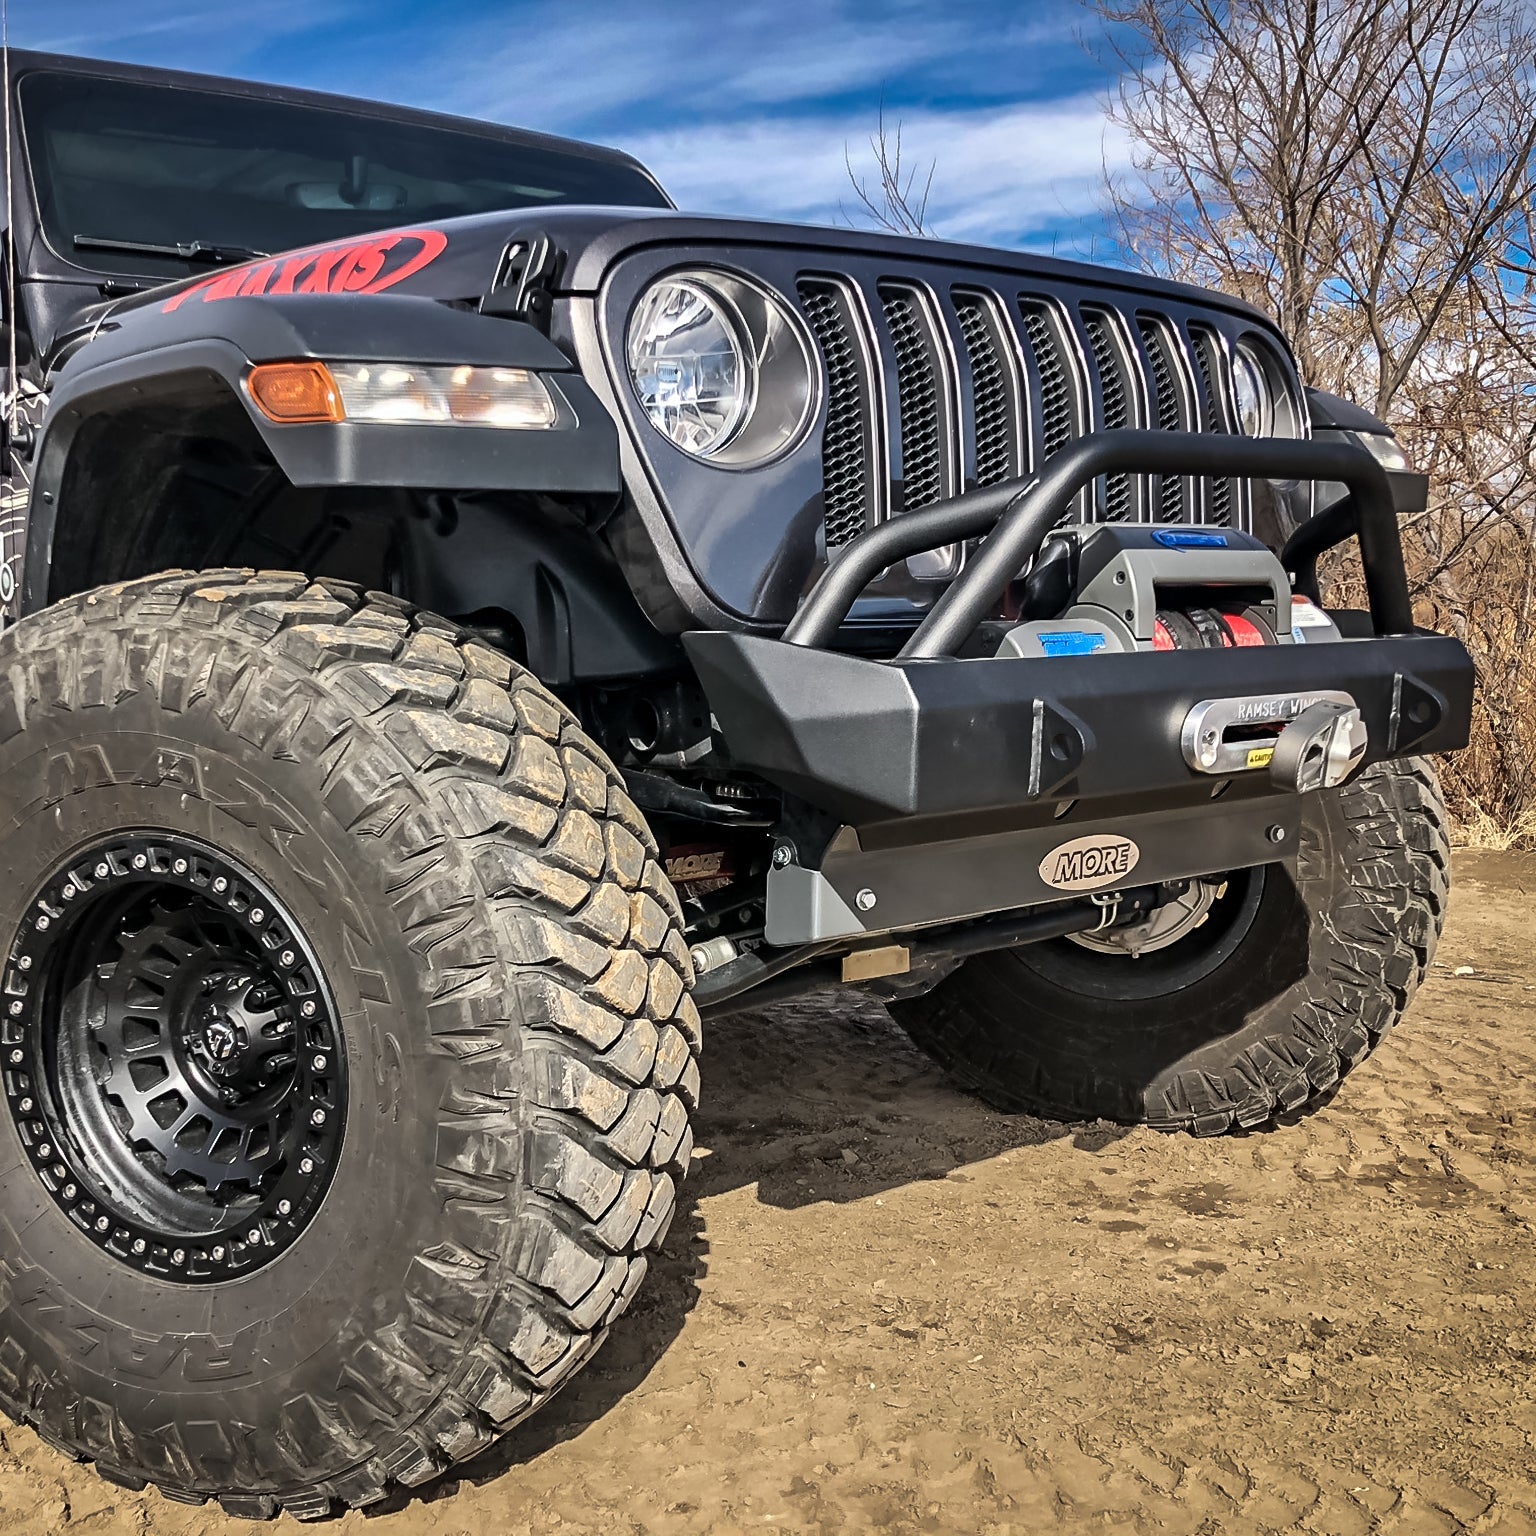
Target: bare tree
{"type": "Point", "coordinates": [898, 200]}
{"type": "Point", "coordinates": [1363, 169]}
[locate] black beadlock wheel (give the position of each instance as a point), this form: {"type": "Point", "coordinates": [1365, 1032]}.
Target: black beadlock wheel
{"type": "Point", "coordinates": [173, 1058]}
{"type": "Point", "coordinates": [1293, 978]}
{"type": "Point", "coordinates": [348, 1055]}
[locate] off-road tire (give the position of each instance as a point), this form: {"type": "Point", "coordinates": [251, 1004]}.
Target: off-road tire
{"type": "Point", "coordinates": [1335, 950]}
{"type": "Point", "coordinates": [507, 962]}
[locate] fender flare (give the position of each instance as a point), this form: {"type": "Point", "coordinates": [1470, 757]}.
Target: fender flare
{"type": "Point", "coordinates": [195, 353]}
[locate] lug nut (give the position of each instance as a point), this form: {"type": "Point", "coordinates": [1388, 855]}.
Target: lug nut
{"type": "Point", "coordinates": [139, 1245]}
{"type": "Point", "coordinates": [102, 871]}
{"type": "Point", "coordinates": [257, 915]}
{"type": "Point", "coordinates": [45, 1151]}
{"type": "Point", "coordinates": [26, 1106]}
{"type": "Point", "coordinates": [179, 1256]}
{"type": "Point", "coordinates": [221, 885]}
{"type": "Point", "coordinates": [254, 1235]}
{"type": "Point", "coordinates": [180, 866]}
{"type": "Point", "coordinates": [42, 922]}
{"type": "Point", "coordinates": [16, 1008]}
{"type": "Point", "coordinates": [217, 1255]}
{"type": "Point", "coordinates": [307, 1165]}
{"type": "Point", "coordinates": [139, 861]}
{"type": "Point", "coordinates": [309, 1010]}
{"type": "Point", "coordinates": [318, 1063]}
{"type": "Point", "coordinates": [102, 1224]}
{"type": "Point", "coordinates": [16, 1058]}
{"type": "Point", "coordinates": [318, 1117]}
{"type": "Point", "coordinates": [70, 1191]}
{"type": "Point", "coordinates": [284, 1207]}
{"type": "Point", "coordinates": [25, 962]}
{"type": "Point", "coordinates": [287, 957]}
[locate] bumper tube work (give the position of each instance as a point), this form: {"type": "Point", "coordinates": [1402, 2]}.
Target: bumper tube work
{"type": "Point", "coordinates": [951, 779]}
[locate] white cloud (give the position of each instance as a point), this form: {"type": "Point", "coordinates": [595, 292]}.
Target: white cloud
{"type": "Point", "coordinates": [1000, 173]}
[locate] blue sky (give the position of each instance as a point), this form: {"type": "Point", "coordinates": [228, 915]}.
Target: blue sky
{"type": "Point", "coordinates": [739, 107]}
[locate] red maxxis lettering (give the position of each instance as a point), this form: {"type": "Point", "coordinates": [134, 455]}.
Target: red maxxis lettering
{"type": "Point", "coordinates": [369, 265]}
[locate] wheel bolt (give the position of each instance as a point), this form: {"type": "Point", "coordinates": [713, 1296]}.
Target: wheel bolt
{"type": "Point", "coordinates": [42, 922]}
{"type": "Point", "coordinates": [16, 1058]}
{"type": "Point", "coordinates": [179, 1256]}
{"type": "Point", "coordinates": [25, 962]}
{"type": "Point", "coordinates": [180, 866]}
{"type": "Point", "coordinates": [318, 1117]}
{"type": "Point", "coordinates": [69, 891]}
{"type": "Point", "coordinates": [221, 884]}
{"type": "Point", "coordinates": [26, 1106]}
{"type": "Point", "coordinates": [288, 957]}
{"type": "Point", "coordinates": [139, 861]}
{"type": "Point", "coordinates": [318, 1063]}
{"type": "Point", "coordinates": [102, 1223]}
{"type": "Point", "coordinates": [284, 1207]}
{"type": "Point", "coordinates": [307, 1165]}
{"type": "Point", "coordinates": [218, 1255]}
{"type": "Point", "coordinates": [309, 1010]}
{"type": "Point", "coordinates": [102, 871]}
{"type": "Point", "coordinates": [257, 915]}
{"type": "Point", "coordinates": [139, 1245]}
{"type": "Point", "coordinates": [16, 1007]}
{"type": "Point", "coordinates": [45, 1151]}
{"type": "Point", "coordinates": [70, 1191]}
{"type": "Point", "coordinates": [254, 1235]}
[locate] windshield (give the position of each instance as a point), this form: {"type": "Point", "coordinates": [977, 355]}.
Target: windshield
{"type": "Point", "coordinates": [119, 164]}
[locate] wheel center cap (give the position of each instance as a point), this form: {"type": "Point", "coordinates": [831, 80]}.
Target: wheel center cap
{"type": "Point", "coordinates": [221, 1039]}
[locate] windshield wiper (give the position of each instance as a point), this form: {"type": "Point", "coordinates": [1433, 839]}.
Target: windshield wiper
{"type": "Point", "coordinates": [199, 251]}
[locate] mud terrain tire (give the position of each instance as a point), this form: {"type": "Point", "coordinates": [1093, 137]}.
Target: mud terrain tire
{"type": "Point", "coordinates": [485, 905]}
{"type": "Point", "coordinates": [1333, 952]}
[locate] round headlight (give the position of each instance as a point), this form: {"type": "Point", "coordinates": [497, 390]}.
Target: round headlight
{"type": "Point", "coordinates": [1255, 398]}
{"type": "Point", "coordinates": [692, 367]}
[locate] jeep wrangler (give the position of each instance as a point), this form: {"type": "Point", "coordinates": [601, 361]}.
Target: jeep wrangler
{"type": "Point", "coordinates": [466, 620]}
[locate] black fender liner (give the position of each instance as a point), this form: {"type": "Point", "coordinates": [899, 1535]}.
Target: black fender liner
{"type": "Point", "coordinates": [191, 353]}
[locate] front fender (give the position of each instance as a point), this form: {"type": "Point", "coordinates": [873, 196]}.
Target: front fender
{"type": "Point", "coordinates": [182, 355]}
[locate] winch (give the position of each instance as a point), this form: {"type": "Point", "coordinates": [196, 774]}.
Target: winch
{"type": "Point", "coordinates": [1143, 588]}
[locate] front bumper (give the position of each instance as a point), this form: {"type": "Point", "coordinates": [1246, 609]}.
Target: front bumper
{"type": "Point", "coordinates": [951, 782]}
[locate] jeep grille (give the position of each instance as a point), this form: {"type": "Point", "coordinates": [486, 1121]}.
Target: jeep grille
{"type": "Point", "coordinates": [933, 388]}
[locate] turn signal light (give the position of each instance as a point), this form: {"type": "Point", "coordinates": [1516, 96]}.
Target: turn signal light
{"type": "Point", "coordinates": [291, 393]}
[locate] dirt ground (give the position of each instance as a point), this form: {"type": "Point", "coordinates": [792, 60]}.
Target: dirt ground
{"type": "Point", "coordinates": [886, 1308]}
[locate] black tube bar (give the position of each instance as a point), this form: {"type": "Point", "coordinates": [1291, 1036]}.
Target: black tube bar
{"type": "Point", "coordinates": [976, 592]}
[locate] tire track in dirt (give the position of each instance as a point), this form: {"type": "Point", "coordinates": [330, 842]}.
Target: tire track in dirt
{"type": "Point", "coordinates": [884, 1307]}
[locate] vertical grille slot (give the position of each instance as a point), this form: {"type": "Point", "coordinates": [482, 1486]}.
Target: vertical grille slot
{"type": "Point", "coordinates": [922, 396]}
{"type": "Point", "coordinates": [1218, 493]}
{"type": "Point", "coordinates": [849, 488]}
{"type": "Point", "coordinates": [1173, 406]}
{"type": "Point", "coordinates": [996, 395]}
{"type": "Point", "coordinates": [1118, 404]}
{"type": "Point", "coordinates": [1060, 402]}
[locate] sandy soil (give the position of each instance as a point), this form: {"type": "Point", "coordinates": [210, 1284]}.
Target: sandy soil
{"type": "Point", "coordinates": [886, 1308]}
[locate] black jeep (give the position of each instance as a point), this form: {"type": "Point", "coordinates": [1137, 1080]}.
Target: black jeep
{"type": "Point", "coordinates": [472, 619]}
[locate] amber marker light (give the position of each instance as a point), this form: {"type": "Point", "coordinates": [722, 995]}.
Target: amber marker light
{"type": "Point", "coordinates": [291, 393]}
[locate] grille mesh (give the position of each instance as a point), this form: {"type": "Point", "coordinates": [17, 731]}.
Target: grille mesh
{"type": "Point", "coordinates": [1170, 415]}
{"type": "Point", "coordinates": [1033, 375]}
{"type": "Point", "coordinates": [1056, 413]}
{"type": "Point", "coordinates": [917, 388]}
{"type": "Point", "coordinates": [1218, 507]}
{"type": "Point", "coordinates": [1118, 498]}
{"type": "Point", "coordinates": [845, 448]}
{"type": "Point", "coordinates": [991, 400]}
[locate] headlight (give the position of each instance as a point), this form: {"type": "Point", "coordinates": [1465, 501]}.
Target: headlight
{"type": "Point", "coordinates": [402, 394]}
{"type": "Point", "coordinates": [720, 367]}
{"type": "Point", "coordinates": [689, 360]}
{"type": "Point", "coordinates": [1255, 403]}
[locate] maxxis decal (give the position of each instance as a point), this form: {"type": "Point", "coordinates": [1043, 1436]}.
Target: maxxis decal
{"type": "Point", "coordinates": [368, 265]}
